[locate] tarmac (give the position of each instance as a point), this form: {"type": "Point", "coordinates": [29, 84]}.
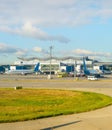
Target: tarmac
{"type": "Point", "coordinates": [100, 119]}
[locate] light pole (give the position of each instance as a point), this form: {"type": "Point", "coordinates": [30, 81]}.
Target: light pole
{"type": "Point", "coordinates": [50, 58]}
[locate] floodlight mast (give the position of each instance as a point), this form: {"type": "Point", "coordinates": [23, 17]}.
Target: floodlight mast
{"type": "Point", "coordinates": [51, 47]}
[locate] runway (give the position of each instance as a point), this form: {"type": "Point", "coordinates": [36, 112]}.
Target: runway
{"type": "Point", "coordinates": [41, 81]}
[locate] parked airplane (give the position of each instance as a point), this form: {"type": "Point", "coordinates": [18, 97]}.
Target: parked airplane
{"type": "Point", "coordinates": [88, 72]}
{"type": "Point", "coordinates": [24, 71]}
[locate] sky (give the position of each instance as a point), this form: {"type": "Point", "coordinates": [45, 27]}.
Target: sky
{"type": "Point", "coordinates": [72, 27]}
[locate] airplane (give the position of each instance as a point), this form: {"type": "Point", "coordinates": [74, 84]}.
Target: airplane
{"type": "Point", "coordinates": [88, 72]}
{"type": "Point", "coordinates": [24, 71]}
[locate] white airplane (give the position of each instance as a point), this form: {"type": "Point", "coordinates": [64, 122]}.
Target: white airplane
{"type": "Point", "coordinates": [24, 71]}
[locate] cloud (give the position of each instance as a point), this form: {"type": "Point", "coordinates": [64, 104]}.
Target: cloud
{"type": "Point", "coordinates": [6, 49]}
{"type": "Point", "coordinates": [21, 52]}
{"type": "Point", "coordinates": [82, 52]}
{"type": "Point", "coordinates": [29, 30]}
{"type": "Point", "coordinates": [51, 12]}
{"type": "Point", "coordinates": [37, 49]}
{"type": "Point", "coordinates": [30, 17]}
{"type": "Point", "coordinates": [43, 52]}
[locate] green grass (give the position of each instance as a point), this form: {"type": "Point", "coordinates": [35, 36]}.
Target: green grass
{"type": "Point", "coordinates": [28, 104]}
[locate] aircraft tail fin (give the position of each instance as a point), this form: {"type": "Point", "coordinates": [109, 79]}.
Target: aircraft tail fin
{"type": "Point", "coordinates": [37, 67]}
{"type": "Point", "coordinates": [86, 71]}
{"type": "Point", "coordinates": [84, 64]}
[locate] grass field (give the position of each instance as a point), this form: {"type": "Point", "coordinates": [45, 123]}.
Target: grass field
{"type": "Point", "coordinates": [28, 104]}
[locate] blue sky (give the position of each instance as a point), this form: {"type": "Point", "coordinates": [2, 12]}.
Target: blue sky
{"type": "Point", "coordinates": [73, 27]}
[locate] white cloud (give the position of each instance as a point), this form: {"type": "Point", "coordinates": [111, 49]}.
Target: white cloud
{"type": "Point", "coordinates": [6, 49]}
{"type": "Point", "coordinates": [29, 30]}
{"type": "Point", "coordinates": [29, 17]}
{"type": "Point", "coordinates": [53, 12]}
{"type": "Point", "coordinates": [37, 49]}
{"type": "Point", "coordinates": [83, 52]}
{"type": "Point", "coordinates": [21, 52]}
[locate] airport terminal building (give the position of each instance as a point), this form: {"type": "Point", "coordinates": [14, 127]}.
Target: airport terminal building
{"type": "Point", "coordinates": [55, 64]}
